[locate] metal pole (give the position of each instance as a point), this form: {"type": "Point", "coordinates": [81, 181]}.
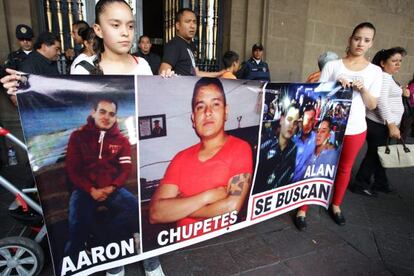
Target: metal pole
{"type": "Point", "coordinates": [11, 188]}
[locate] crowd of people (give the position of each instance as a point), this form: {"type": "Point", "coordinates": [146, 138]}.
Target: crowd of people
{"type": "Point", "coordinates": [179, 57]}
{"type": "Point", "coordinates": [381, 107]}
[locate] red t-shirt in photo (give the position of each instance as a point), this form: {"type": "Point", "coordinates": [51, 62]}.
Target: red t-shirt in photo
{"type": "Point", "coordinates": [193, 176]}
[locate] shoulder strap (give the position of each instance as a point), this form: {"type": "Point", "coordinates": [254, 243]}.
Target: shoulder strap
{"type": "Point", "coordinates": [89, 67]}
{"type": "Point", "coordinates": [136, 58]}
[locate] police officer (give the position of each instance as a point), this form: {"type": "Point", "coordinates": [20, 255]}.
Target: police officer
{"type": "Point", "coordinates": [25, 36]}
{"type": "Point", "coordinates": [255, 68]}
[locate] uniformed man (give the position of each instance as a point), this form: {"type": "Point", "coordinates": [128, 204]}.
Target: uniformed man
{"type": "Point", "coordinates": [42, 61]}
{"type": "Point", "coordinates": [25, 36]}
{"type": "Point", "coordinates": [255, 68]}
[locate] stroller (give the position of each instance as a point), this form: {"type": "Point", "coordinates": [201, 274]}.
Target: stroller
{"type": "Point", "coordinates": [21, 255]}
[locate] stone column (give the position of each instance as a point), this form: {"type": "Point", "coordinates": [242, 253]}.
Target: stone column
{"type": "Point", "coordinates": [280, 25]}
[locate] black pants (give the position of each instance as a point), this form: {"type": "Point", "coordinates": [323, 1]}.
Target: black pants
{"type": "Point", "coordinates": [407, 125]}
{"type": "Point", "coordinates": [377, 135]}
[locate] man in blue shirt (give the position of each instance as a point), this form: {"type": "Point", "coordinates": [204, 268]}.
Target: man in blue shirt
{"type": "Point", "coordinates": [305, 142]}
{"type": "Point", "coordinates": [322, 163]}
{"type": "Point", "coordinates": [325, 153]}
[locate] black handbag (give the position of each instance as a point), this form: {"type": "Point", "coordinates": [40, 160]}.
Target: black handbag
{"type": "Point", "coordinates": [408, 109]}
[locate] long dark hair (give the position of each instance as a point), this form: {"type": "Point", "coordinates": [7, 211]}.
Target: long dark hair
{"type": "Point", "coordinates": [98, 46]}
{"type": "Point", "coordinates": [87, 34]}
{"type": "Point", "coordinates": [384, 54]}
{"type": "Point", "coordinates": [81, 24]}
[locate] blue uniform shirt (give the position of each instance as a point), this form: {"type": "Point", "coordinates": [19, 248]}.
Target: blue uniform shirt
{"type": "Point", "coordinates": [325, 158]}
{"type": "Point", "coordinates": [251, 70]}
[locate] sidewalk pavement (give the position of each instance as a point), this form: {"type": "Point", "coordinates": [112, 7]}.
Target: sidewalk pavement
{"type": "Point", "coordinates": [378, 239]}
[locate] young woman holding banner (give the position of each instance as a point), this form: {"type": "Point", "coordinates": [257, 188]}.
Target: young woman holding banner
{"type": "Point", "coordinates": [365, 78]}
{"type": "Point", "coordinates": [114, 29]}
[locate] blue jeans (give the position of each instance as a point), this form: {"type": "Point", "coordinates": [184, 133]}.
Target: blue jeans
{"type": "Point", "coordinates": [121, 222]}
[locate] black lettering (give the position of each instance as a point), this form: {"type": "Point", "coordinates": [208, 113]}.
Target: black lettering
{"type": "Point", "coordinates": [324, 191]}
{"type": "Point", "coordinates": [258, 208]}
{"type": "Point", "coordinates": [268, 203]}
{"type": "Point", "coordinates": [263, 205]}
{"type": "Point", "coordinates": [288, 198]}
{"type": "Point", "coordinates": [304, 191]}
{"type": "Point", "coordinates": [280, 198]}
{"type": "Point", "coordinates": [296, 194]}
{"type": "Point", "coordinates": [312, 192]}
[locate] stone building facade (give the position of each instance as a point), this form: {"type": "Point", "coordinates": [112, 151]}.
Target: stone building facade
{"type": "Point", "coordinates": [295, 32]}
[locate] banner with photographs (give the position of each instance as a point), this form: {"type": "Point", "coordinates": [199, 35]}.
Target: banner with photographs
{"type": "Point", "coordinates": [133, 167]}
{"type": "Point", "coordinates": [301, 139]}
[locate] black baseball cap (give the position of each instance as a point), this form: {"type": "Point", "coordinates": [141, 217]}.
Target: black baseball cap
{"type": "Point", "coordinates": [24, 32]}
{"type": "Point", "coordinates": [257, 46]}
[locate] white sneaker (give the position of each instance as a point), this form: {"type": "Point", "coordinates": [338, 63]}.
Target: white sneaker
{"type": "Point", "coordinates": [156, 272]}
{"type": "Point", "coordinates": [116, 271]}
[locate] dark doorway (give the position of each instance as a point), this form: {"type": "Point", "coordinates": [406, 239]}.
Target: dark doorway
{"type": "Point", "coordinates": [153, 21]}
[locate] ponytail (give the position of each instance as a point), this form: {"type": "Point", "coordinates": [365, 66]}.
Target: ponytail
{"type": "Point", "coordinates": [98, 48]}
{"type": "Point", "coordinates": [87, 34]}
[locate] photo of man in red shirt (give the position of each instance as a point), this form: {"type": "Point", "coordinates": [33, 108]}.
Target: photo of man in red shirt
{"type": "Point", "coordinates": [209, 179]}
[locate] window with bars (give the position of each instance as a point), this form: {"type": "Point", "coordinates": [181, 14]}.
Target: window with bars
{"type": "Point", "coordinates": [209, 32]}
{"type": "Point", "coordinates": [60, 14]}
